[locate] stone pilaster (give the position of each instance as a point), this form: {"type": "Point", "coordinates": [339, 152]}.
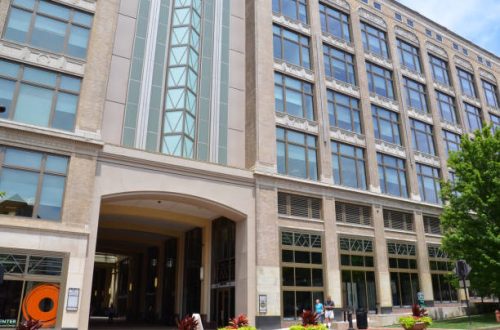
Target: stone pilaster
{"type": "Point", "coordinates": [333, 274]}
{"type": "Point", "coordinates": [424, 273]}
{"type": "Point", "coordinates": [383, 278]}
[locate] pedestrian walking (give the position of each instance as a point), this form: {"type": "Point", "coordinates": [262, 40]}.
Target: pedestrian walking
{"type": "Point", "coordinates": [329, 315]}
{"type": "Point", "coordinates": [320, 311]}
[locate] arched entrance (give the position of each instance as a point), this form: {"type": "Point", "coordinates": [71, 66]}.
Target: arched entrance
{"type": "Point", "coordinates": [161, 256]}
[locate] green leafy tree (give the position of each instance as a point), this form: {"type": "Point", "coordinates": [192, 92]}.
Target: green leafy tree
{"type": "Point", "coordinates": [471, 216]}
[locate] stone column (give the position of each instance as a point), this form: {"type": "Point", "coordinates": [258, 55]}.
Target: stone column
{"type": "Point", "coordinates": [458, 92]}
{"type": "Point", "coordinates": [481, 96]}
{"type": "Point", "coordinates": [333, 285]}
{"type": "Point", "coordinates": [424, 273]}
{"type": "Point", "coordinates": [383, 277]}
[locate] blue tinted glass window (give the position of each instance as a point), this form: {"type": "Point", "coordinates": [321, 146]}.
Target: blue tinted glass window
{"type": "Point", "coordinates": [467, 83]}
{"type": "Point", "coordinates": [473, 117]}
{"type": "Point", "coordinates": [374, 40]}
{"type": "Point", "coordinates": [334, 22]}
{"type": "Point", "coordinates": [386, 125]}
{"type": "Point", "coordinates": [18, 25]}
{"type": "Point", "coordinates": [293, 96]}
{"type": "Point", "coordinates": [291, 47]}
{"type": "Point", "coordinates": [296, 154]}
{"type": "Point", "coordinates": [447, 108]}
{"type": "Point", "coordinates": [295, 9]}
{"type": "Point", "coordinates": [415, 95]}
{"type": "Point", "coordinates": [344, 112]}
{"type": "Point", "coordinates": [339, 65]}
{"type": "Point", "coordinates": [491, 94]}
{"type": "Point", "coordinates": [440, 70]}
{"type": "Point", "coordinates": [392, 175]}
{"type": "Point", "coordinates": [422, 137]}
{"type": "Point", "coordinates": [409, 56]}
{"type": "Point", "coordinates": [428, 183]}
{"type": "Point", "coordinates": [380, 80]}
{"type": "Point", "coordinates": [348, 165]}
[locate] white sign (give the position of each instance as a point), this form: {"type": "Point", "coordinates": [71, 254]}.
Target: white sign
{"type": "Point", "coordinates": [73, 298]}
{"type": "Point", "coordinates": [262, 303]}
{"type": "Point", "coordinates": [467, 283]}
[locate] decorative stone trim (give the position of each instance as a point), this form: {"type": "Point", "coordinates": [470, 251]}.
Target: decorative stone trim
{"type": "Point", "coordinates": [424, 158]}
{"type": "Point", "coordinates": [436, 49]}
{"type": "Point", "coordinates": [89, 5]}
{"type": "Point", "coordinates": [464, 63]}
{"type": "Point", "coordinates": [409, 36]}
{"type": "Point", "coordinates": [451, 127]}
{"type": "Point", "coordinates": [487, 75]}
{"type": "Point", "coordinates": [444, 88]}
{"type": "Point", "coordinates": [337, 42]}
{"type": "Point", "coordinates": [412, 74]}
{"type": "Point", "coordinates": [372, 18]}
{"type": "Point", "coordinates": [390, 148]}
{"type": "Point", "coordinates": [474, 101]}
{"type": "Point", "coordinates": [301, 124]}
{"type": "Point", "coordinates": [419, 115]}
{"type": "Point", "coordinates": [384, 101]}
{"type": "Point", "coordinates": [347, 136]}
{"type": "Point", "coordinates": [291, 23]}
{"type": "Point", "coordinates": [342, 86]}
{"type": "Point", "coordinates": [495, 111]}
{"type": "Point", "coordinates": [377, 59]}
{"type": "Point", "coordinates": [40, 58]}
{"type": "Point", "coordinates": [340, 3]}
{"type": "Point", "coordinates": [294, 70]}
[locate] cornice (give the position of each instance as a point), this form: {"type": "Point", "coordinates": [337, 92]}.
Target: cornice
{"type": "Point", "coordinates": [409, 36]}
{"type": "Point", "coordinates": [463, 63]}
{"type": "Point", "coordinates": [487, 75]}
{"type": "Point", "coordinates": [371, 17]}
{"type": "Point", "coordinates": [302, 124]}
{"type": "Point", "coordinates": [436, 50]}
{"type": "Point", "coordinates": [340, 3]}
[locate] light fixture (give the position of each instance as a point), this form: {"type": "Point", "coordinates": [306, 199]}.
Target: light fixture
{"type": "Point", "coordinates": [130, 287]}
{"type": "Point", "coordinates": [201, 273]}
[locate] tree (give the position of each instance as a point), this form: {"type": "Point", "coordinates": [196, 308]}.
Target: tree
{"type": "Point", "coordinates": [471, 216]}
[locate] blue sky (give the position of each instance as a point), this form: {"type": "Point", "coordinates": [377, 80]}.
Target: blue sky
{"type": "Point", "coordinates": [475, 20]}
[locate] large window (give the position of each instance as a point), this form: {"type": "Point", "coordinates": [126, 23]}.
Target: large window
{"type": "Point", "coordinates": [466, 83]}
{"type": "Point", "coordinates": [392, 174]}
{"type": "Point", "coordinates": [374, 40]}
{"type": "Point", "coordinates": [415, 95]}
{"type": "Point", "coordinates": [386, 125]}
{"type": "Point", "coordinates": [380, 80]}
{"type": "Point", "coordinates": [422, 137]}
{"type": "Point", "coordinates": [428, 183]}
{"type": "Point", "coordinates": [343, 112]}
{"type": "Point", "coordinates": [353, 213]}
{"type": "Point", "coordinates": [404, 273]}
{"type": "Point", "coordinates": [295, 9]}
{"type": "Point", "coordinates": [432, 225]}
{"type": "Point", "coordinates": [33, 183]}
{"type": "Point", "coordinates": [38, 97]}
{"type": "Point", "coordinates": [490, 93]}
{"type": "Point", "coordinates": [447, 107]}
{"type": "Point", "coordinates": [301, 272]}
{"type": "Point", "coordinates": [293, 96]}
{"type": "Point", "coordinates": [451, 141]}
{"type": "Point", "coordinates": [441, 271]}
{"type": "Point", "coordinates": [473, 117]}
{"type": "Point", "coordinates": [291, 47]}
{"type": "Point", "coordinates": [495, 121]}
{"type": "Point", "coordinates": [348, 165]}
{"type": "Point", "coordinates": [409, 56]}
{"type": "Point", "coordinates": [440, 70]}
{"type": "Point", "coordinates": [358, 273]}
{"type": "Point", "coordinates": [48, 25]}
{"type": "Point", "coordinates": [296, 154]}
{"type": "Point", "coordinates": [339, 65]}
{"type": "Point", "coordinates": [398, 220]}
{"type": "Point", "coordinates": [299, 206]}
{"type": "Point", "coordinates": [334, 22]}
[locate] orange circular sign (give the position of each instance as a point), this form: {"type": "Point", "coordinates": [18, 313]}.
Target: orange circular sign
{"type": "Point", "coordinates": [40, 303]}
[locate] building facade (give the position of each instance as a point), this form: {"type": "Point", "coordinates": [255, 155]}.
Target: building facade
{"type": "Point", "coordinates": [226, 157]}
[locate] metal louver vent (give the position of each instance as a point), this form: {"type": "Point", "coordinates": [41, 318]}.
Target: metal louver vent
{"type": "Point", "coordinates": [432, 225]}
{"type": "Point", "coordinates": [351, 213]}
{"type": "Point", "coordinates": [299, 206]}
{"type": "Point", "coordinates": [398, 220]}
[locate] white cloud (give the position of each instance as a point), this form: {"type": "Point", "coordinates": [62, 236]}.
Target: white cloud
{"type": "Point", "coordinates": [476, 20]}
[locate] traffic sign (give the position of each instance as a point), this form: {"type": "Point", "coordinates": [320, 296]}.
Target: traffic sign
{"type": "Point", "coordinates": [462, 269]}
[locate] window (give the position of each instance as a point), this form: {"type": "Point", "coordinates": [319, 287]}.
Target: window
{"type": "Point", "coordinates": [473, 117]}
{"type": "Point", "coordinates": [480, 59]}
{"type": "Point", "coordinates": [392, 174]}
{"type": "Point", "coordinates": [365, 1]}
{"type": "Point", "coordinates": [447, 107]}
{"type": "Point", "coordinates": [467, 83]}
{"type": "Point", "coordinates": [404, 273]}
{"type": "Point", "coordinates": [295, 9]}
{"type": "Point", "coordinates": [293, 96]}
{"type": "Point", "coordinates": [451, 141]}
{"type": "Point", "coordinates": [495, 121]}
{"type": "Point", "coordinates": [343, 112]}
{"type": "Point", "coordinates": [380, 80]}
{"type": "Point", "coordinates": [377, 6]}
{"type": "Point", "coordinates": [490, 92]}
{"type": "Point", "coordinates": [440, 70]}
{"type": "Point", "coordinates": [488, 63]}
{"type": "Point", "coordinates": [428, 32]}
{"type": "Point", "coordinates": [334, 22]}
{"type": "Point", "coordinates": [299, 206]}
{"type": "Point", "coordinates": [291, 47]}
{"type": "Point", "coordinates": [374, 40]}
{"type": "Point", "coordinates": [432, 225]}
{"type": "Point", "coordinates": [455, 46]}
{"type": "Point", "coordinates": [48, 25]}
{"type": "Point", "coordinates": [410, 23]}
{"type": "Point", "coordinates": [339, 65]}
{"type": "Point", "coordinates": [415, 95]}
{"type": "Point", "coordinates": [439, 37]}
{"type": "Point", "coordinates": [33, 183]}
{"type": "Point", "coordinates": [348, 165]}
{"type": "Point", "coordinates": [441, 268]}
{"type": "Point", "coordinates": [398, 220]}
{"type": "Point", "coordinates": [428, 183]}
{"type": "Point", "coordinates": [301, 272]}
{"type": "Point", "coordinates": [409, 56]}
{"type": "Point", "coordinates": [354, 214]}
{"type": "Point", "coordinates": [422, 137]}
{"type": "Point", "coordinates": [398, 17]}
{"type": "Point", "coordinates": [296, 154]}
{"type": "Point", "coordinates": [465, 51]}
{"type": "Point", "coordinates": [386, 125]}
{"type": "Point", "coordinates": [38, 97]}
{"type": "Point", "coordinates": [358, 277]}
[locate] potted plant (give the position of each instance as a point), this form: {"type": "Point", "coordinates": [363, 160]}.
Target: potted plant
{"type": "Point", "coordinates": [309, 322]}
{"type": "Point", "coordinates": [419, 319]}
{"type": "Point", "coordinates": [240, 322]}
{"type": "Point", "coordinates": [187, 323]}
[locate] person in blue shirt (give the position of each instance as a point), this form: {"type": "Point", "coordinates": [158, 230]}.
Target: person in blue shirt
{"type": "Point", "coordinates": [318, 308]}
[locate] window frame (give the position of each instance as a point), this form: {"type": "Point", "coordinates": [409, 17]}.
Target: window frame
{"type": "Point", "coordinates": [354, 111]}
{"type": "Point", "coordinates": [436, 178]}
{"type": "Point", "coordinates": [347, 61]}
{"type": "Point", "coordinates": [495, 121]}
{"type": "Point", "coordinates": [445, 99]}
{"type": "Point", "coordinates": [304, 59]}
{"type": "Point", "coordinates": [410, 86]}
{"type": "Point", "coordinates": [412, 272]}
{"type": "Point", "coordinates": [305, 95]}
{"type": "Point", "coordinates": [400, 169]}
{"type": "Point", "coordinates": [343, 19]}
{"type": "Point", "coordinates": [440, 64]}
{"type": "Point", "coordinates": [440, 257]}
{"type": "Point", "coordinates": [473, 112]}
{"type": "Point", "coordinates": [386, 76]}
{"type": "Point", "coordinates": [307, 150]}
{"type": "Point", "coordinates": [490, 93]}
{"type": "Point", "coordinates": [394, 121]}
{"type": "Point", "coordinates": [427, 132]}
{"type": "Point", "coordinates": [450, 138]}
{"type": "Point", "coordinates": [466, 80]}
{"type": "Point", "coordinates": [361, 178]}
{"type": "Point", "coordinates": [298, 4]}
{"type": "Point", "coordinates": [406, 48]}
{"type": "Point", "coordinates": [369, 32]}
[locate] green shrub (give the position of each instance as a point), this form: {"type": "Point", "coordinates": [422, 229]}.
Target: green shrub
{"type": "Point", "coordinates": [308, 327]}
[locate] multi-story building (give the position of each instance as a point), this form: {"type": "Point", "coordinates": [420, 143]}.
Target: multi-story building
{"type": "Point", "coordinates": [226, 156]}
